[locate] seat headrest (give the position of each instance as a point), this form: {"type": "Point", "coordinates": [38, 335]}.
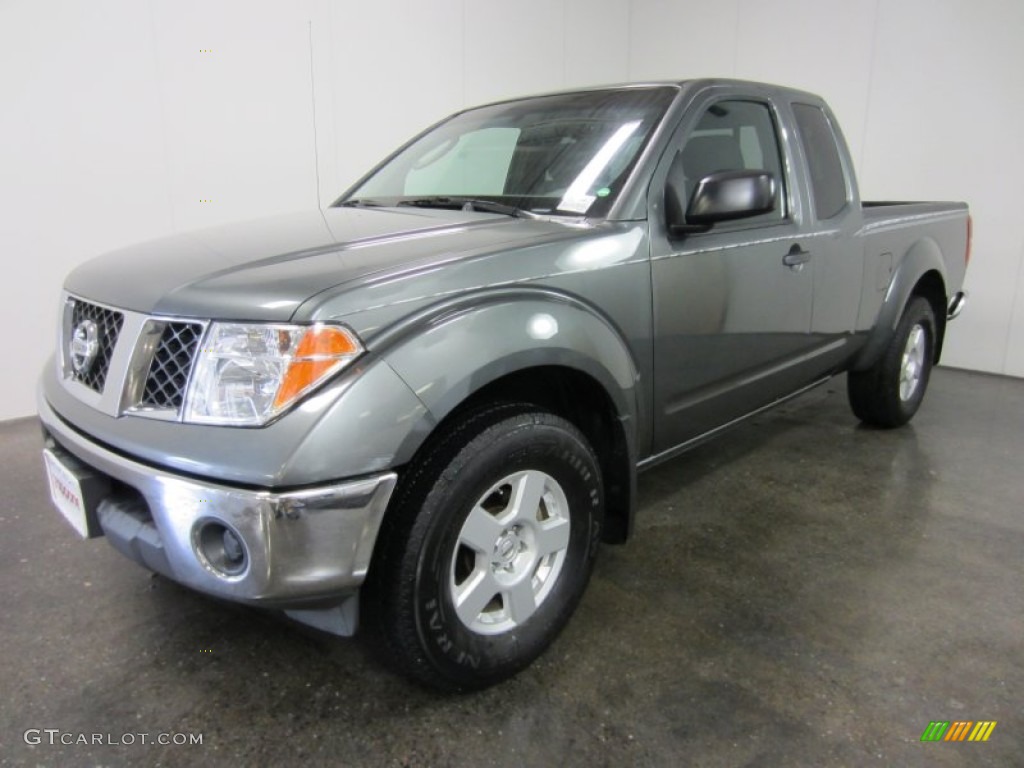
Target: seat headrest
{"type": "Point", "coordinates": [704, 155]}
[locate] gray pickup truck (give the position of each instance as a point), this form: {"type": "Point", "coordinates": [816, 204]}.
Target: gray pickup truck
{"type": "Point", "coordinates": [425, 406]}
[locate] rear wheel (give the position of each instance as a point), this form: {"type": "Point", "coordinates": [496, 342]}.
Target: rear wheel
{"type": "Point", "coordinates": [488, 548]}
{"type": "Point", "coordinates": [889, 393]}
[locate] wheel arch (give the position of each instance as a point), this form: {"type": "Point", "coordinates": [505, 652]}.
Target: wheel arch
{"type": "Point", "coordinates": [921, 272]}
{"type": "Point", "coordinates": [581, 400]}
{"type": "Point", "coordinates": [932, 287]}
{"type": "Point", "coordinates": [487, 352]}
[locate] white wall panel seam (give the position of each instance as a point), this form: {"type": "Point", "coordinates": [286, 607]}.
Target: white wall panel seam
{"type": "Point", "coordinates": [161, 99]}
{"type": "Point", "coordinates": [1014, 302]}
{"type": "Point", "coordinates": [312, 104]}
{"type": "Point", "coordinates": [871, 82]}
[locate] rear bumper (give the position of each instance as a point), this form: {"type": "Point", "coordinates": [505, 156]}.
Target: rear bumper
{"type": "Point", "coordinates": [956, 304]}
{"type": "Point", "coordinates": [307, 548]}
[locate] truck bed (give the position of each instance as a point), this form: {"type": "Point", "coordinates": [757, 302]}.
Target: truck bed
{"type": "Point", "coordinates": [894, 232]}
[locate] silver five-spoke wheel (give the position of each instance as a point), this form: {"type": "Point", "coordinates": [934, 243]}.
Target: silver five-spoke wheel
{"type": "Point", "coordinates": [889, 392]}
{"type": "Point", "coordinates": [510, 552]}
{"type": "Point", "coordinates": [488, 547]}
{"type": "Point", "coordinates": [912, 363]}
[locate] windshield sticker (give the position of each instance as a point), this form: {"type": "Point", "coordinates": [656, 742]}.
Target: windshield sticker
{"type": "Point", "coordinates": [577, 192]}
{"type": "Point", "coordinates": [576, 203]}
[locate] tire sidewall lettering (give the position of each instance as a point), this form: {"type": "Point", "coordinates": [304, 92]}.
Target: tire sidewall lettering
{"type": "Point", "coordinates": [446, 639]}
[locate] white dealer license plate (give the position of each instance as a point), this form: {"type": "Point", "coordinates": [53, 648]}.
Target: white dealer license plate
{"type": "Point", "coordinates": [66, 493]}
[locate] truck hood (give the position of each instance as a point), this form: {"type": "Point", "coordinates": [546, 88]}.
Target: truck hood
{"type": "Point", "coordinates": [265, 269]}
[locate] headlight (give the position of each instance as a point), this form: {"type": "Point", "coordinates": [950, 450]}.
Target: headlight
{"type": "Point", "coordinates": [245, 374]}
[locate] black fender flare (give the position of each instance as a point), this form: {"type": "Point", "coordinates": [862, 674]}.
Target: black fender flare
{"type": "Point", "coordinates": [448, 351]}
{"type": "Point", "coordinates": [923, 257]}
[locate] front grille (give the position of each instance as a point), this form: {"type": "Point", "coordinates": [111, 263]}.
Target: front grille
{"type": "Point", "coordinates": [108, 326]}
{"type": "Point", "coordinates": [172, 363]}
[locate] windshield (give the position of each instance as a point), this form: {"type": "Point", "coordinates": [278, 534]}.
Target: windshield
{"type": "Point", "coordinates": [568, 154]}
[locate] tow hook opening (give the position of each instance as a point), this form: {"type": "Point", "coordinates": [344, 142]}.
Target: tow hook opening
{"type": "Point", "coordinates": [220, 548]}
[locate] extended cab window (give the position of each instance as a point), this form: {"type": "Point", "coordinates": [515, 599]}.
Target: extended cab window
{"type": "Point", "coordinates": [819, 143]}
{"type": "Point", "coordinates": [735, 136]}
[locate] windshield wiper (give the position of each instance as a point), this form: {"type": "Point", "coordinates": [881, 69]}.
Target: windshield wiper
{"type": "Point", "coordinates": [360, 202]}
{"type": "Point", "coordinates": [468, 204]}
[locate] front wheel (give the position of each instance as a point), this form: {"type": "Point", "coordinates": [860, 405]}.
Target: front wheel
{"type": "Point", "coordinates": [889, 393]}
{"type": "Point", "coordinates": [488, 549]}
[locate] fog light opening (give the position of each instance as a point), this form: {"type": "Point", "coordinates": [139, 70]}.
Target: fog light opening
{"type": "Point", "coordinates": [221, 548]}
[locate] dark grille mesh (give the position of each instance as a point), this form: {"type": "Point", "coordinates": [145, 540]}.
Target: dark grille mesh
{"type": "Point", "coordinates": [108, 326]}
{"type": "Point", "coordinates": [168, 374]}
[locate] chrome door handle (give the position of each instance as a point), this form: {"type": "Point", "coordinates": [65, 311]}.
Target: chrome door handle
{"type": "Point", "coordinates": [796, 257]}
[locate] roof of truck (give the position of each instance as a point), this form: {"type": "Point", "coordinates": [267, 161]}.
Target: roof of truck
{"type": "Point", "coordinates": [689, 83]}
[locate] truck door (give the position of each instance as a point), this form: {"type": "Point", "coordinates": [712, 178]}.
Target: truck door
{"type": "Point", "coordinates": [732, 306]}
{"type": "Point", "coordinates": [834, 219]}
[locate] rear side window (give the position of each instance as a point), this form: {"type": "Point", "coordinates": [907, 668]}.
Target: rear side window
{"type": "Point", "coordinates": [822, 154]}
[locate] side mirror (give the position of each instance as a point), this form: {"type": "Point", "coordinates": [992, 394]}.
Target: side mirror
{"type": "Point", "coordinates": [722, 196]}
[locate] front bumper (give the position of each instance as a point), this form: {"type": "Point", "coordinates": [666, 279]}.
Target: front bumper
{"type": "Point", "coordinates": [305, 549]}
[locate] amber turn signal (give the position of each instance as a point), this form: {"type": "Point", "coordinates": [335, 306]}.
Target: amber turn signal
{"type": "Point", "coordinates": [323, 350]}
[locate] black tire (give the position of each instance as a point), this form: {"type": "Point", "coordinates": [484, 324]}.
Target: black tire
{"type": "Point", "coordinates": [422, 559]}
{"type": "Point", "coordinates": [882, 395]}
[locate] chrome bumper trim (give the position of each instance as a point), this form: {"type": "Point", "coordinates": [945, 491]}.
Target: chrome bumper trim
{"type": "Point", "coordinates": [304, 546]}
{"type": "Point", "coordinates": [956, 305]}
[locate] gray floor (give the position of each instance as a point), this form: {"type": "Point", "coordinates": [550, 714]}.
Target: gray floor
{"type": "Point", "coordinates": [803, 591]}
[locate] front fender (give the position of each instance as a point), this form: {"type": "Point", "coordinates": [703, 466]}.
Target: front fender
{"type": "Point", "coordinates": [922, 257]}
{"type": "Point", "coordinates": [448, 352]}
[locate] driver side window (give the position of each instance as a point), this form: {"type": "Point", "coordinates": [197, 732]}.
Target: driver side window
{"type": "Point", "coordinates": [735, 136]}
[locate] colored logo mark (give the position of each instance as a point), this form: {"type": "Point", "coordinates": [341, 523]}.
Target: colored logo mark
{"type": "Point", "coordinates": [958, 730]}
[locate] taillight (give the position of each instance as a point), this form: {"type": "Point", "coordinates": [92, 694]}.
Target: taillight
{"type": "Point", "coordinates": [970, 237]}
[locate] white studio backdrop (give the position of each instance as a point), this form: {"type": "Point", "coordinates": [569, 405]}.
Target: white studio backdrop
{"type": "Point", "coordinates": [123, 120]}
